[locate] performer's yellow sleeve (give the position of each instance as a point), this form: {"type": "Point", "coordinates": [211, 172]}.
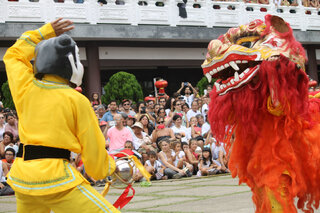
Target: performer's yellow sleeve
{"type": "Point", "coordinates": [54, 115]}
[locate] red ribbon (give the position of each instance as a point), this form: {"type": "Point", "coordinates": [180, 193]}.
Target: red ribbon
{"type": "Point", "coordinates": [124, 199]}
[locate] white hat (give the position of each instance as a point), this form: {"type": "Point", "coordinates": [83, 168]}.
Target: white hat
{"type": "Point", "coordinates": [137, 124]}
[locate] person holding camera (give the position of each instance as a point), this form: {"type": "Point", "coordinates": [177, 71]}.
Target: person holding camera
{"type": "Point", "coordinates": [188, 94]}
{"type": "Point", "coordinates": [142, 110]}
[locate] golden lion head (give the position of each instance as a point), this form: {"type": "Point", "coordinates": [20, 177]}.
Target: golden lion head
{"type": "Point", "coordinates": [235, 57]}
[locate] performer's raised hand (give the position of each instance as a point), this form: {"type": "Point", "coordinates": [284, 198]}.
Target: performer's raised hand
{"type": "Point", "coordinates": [61, 26]}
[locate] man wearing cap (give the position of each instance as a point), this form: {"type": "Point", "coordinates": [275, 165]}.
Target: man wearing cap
{"type": "Point", "coordinates": [54, 119]}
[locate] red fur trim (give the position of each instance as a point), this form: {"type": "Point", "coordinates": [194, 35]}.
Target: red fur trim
{"type": "Point", "coordinates": [267, 146]}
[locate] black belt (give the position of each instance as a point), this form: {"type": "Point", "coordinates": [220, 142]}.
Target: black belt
{"type": "Point", "coordinates": [32, 152]}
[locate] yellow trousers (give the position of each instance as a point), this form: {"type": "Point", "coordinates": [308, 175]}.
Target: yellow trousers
{"type": "Point", "coordinates": [82, 198]}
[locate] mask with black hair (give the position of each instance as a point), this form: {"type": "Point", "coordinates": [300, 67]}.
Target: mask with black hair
{"type": "Point", "coordinates": [58, 56]}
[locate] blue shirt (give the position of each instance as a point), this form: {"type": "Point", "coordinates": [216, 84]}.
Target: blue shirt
{"type": "Point", "coordinates": [107, 117]}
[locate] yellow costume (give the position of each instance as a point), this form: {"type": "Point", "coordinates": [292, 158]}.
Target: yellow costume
{"type": "Point", "coordinates": [52, 114]}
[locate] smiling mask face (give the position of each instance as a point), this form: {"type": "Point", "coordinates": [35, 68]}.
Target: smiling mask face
{"type": "Point", "coordinates": [235, 57]}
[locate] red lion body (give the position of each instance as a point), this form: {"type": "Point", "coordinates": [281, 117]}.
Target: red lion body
{"type": "Point", "coordinates": [276, 151]}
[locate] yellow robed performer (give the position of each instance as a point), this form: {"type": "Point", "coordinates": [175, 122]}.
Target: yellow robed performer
{"type": "Point", "coordinates": [54, 119]}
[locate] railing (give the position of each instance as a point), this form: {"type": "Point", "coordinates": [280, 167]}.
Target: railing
{"type": "Point", "coordinates": [205, 13]}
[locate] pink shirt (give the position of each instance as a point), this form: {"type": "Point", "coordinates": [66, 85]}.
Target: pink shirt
{"type": "Point", "coordinates": [12, 129]}
{"type": "Point", "coordinates": [118, 138]}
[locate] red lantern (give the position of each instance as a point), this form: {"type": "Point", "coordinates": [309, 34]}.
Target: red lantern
{"type": "Point", "coordinates": [161, 84]}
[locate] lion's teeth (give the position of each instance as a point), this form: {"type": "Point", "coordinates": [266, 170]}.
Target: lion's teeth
{"type": "Point", "coordinates": [236, 76]}
{"type": "Point", "coordinates": [217, 86]}
{"type": "Point", "coordinates": [209, 77]}
{"type": "Point", "coordinates": [234, 65]}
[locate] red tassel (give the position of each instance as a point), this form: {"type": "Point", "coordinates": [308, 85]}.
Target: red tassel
{"type": "Point", "coordinates": [124, 199]}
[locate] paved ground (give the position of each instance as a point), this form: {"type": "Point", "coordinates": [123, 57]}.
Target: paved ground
{"type": "Point", "coordinates": [208, 194]}
{"type": "Point", "coordinates": [214, 194]}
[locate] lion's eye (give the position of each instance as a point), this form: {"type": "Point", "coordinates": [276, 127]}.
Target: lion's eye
{"type": "Point", "coordinates": [247, 44]}
{"type": "Point", "coordinates": [247, 41]}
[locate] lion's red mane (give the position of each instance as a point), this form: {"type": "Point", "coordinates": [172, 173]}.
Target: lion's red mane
{"type": "Point", "coordinates": [267, 145]}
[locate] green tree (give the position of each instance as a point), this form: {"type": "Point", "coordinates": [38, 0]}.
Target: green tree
{"type": "Point", "coordinates": [7, 98]}
{"type": "Point", "coordinates": [203, 83]}
{"type": "Point", "coordinates": [122, 85]}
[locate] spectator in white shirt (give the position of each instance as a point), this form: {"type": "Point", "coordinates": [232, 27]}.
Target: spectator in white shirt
{"type": "Point", "coordinates": [178, 127]}
{"type": "Point", "coordinates": [205, 127]}
{"type": "Point", "coordinates": [193, 112]}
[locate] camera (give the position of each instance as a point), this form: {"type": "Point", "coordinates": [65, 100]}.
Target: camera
{"type": "Point", "coordinates": [143, 110]}
{"type": "Point", "coordinates": [185, 84]}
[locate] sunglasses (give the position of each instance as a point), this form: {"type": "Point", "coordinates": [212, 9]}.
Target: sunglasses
{"type": "Point", "coordinates": [126, 104]}
{"type": "Point", "coordinates": [161, 122]}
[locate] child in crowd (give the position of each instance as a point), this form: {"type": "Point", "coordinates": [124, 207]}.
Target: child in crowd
{"type": "Point", "coordinates": [166, 158]}
{"type": "Point", "coordinates": [179, 158]}
{"type": "Point", "coordinates": [192, 156]}
{"type": "Point", "coordinates": [137, 175]}
{"type": "Point", "coordinates": [206, 165]}
{"type": "Point", "coordinates": [154, 167]}
{"type": "Point", "coordinates": [192, 123]}
{"type": "Point", "coordinates": [218, 153]}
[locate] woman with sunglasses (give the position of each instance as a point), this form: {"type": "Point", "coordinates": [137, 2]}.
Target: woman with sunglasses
{"type": "Point", "coordinates": [161, 132]}
{"type": "Point", "coordinates": [178, 111]}
{"type": "Point", "coordinates": [161, 112]}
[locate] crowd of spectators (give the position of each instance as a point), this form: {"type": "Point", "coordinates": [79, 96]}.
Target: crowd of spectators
{"type": "Point", "coordinates": [170, 135]}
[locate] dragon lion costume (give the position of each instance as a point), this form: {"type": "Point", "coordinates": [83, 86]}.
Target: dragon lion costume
{"type": "Point", "coordinates": [261, 96]}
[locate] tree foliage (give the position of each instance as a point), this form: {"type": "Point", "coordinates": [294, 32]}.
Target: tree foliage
{"type": "Point", "coordinates": [203, 83]}
{"type": "Point", "coordinates": [7, 98]}
{"type": "Point", "coordinates": [122, 85]}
